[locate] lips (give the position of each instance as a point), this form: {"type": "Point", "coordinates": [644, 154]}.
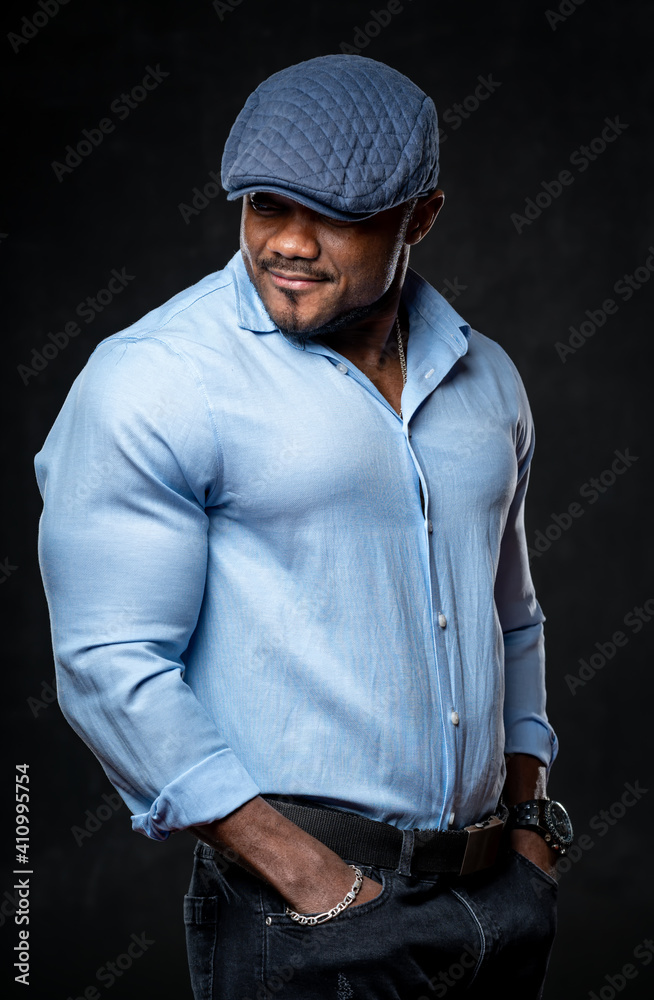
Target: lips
{"type": "Point", "coordinates": [297, 282]}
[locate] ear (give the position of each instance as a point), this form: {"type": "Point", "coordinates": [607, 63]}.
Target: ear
{"type": "Point", "coordinates": [423, 216]}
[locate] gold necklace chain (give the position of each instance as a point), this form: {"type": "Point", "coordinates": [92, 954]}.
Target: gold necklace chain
{"type": "Point", "coordinates": [400, 351]}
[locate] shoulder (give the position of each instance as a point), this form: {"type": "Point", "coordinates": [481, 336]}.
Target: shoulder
{"type": "Point", "coordinates": [167, 347]}
{"type": "Point", "coordinates": [497, 359]}
{"type": "Point", "coordinates": [187, 316]}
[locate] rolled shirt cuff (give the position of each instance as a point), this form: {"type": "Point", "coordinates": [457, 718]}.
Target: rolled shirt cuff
{"type": "Point", "coordinates": [208, 791]}
{"type": "Point", "coordinates": [533, 735]}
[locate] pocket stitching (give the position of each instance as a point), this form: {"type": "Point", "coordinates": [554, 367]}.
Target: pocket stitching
{"type": "Point", "coordinates": [198, 904]}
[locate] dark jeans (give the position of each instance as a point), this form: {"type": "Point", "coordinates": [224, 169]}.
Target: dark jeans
{"type": "Point", "coordinates": [418, 940]}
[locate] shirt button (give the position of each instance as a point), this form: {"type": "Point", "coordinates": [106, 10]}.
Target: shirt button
{"type": "Point", "coordinates": [430, 527]}
{"type": "Point", "coordinates": [341, 367]}
{"type": "Point", "coordinates": [442, 620]}
{"type": "Point", "coordinates": [450, 821]}
{"type": "Point", "coordinates": [454, 716]}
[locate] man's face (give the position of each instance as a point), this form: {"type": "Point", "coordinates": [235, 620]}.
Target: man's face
{"type": "Point", "coordinates": [318, 275]}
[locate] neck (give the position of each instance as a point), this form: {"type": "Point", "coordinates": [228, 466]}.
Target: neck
{"type": "Point", "coordinates": [373, 341]}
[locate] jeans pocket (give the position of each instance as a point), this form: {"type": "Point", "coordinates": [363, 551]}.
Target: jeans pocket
{"type": "Point", "coordinates": [200, 923]}
{"type": "Point", "coordinates": [534, 869]}
{"type": "Point", "coordinates": [323, 956]}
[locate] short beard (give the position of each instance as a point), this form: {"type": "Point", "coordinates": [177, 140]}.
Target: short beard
{"type": "Point", "coordinates": [337, 323]}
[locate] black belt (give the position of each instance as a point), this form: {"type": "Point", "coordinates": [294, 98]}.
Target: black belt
{"type": "Point", "coordinates": [414, 852]}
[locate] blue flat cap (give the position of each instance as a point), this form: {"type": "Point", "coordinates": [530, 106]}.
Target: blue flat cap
{"type": "Point", "coordinates": [342, 134]}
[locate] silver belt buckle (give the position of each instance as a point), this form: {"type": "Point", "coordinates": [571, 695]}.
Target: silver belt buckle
{"type": "Point", "coordinates": [482, 846]}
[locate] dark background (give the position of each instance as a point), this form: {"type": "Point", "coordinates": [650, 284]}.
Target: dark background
{"type": "Point", "coordinates": [120, 208]}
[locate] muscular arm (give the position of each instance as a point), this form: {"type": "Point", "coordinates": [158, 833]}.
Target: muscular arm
{"type": "Point", "coordinates": [531, 743]}
{"type": "Point", "coordinates": [309, 876]}
{"type": "Point", "coordinates": [526, 778]}
{"type": "Point", "coordinates": [127, 473]}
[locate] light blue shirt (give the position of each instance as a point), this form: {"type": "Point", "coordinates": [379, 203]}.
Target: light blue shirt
{"type": "Point", "coordinates": [245, 593]}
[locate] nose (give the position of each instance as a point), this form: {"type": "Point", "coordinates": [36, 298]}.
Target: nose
{"type": "Point", "coordinates": [295, 236]}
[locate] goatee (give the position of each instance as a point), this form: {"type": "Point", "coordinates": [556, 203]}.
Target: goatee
{"type": "Point", "coordinates": [336, 324]}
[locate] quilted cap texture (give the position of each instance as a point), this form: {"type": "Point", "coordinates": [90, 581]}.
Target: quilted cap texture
{"type": "Point", "coordinates": [344, 135]}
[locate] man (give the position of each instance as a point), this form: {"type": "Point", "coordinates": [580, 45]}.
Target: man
{"type": "Point", "coordinates": [284, 552]}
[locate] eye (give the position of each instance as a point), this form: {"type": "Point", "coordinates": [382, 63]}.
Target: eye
{"type": "Point", "coordinates": [336, 223]}
{"type": "Point", "coordinates": [260, 203]}
{"type": "Point", "coordinates": [342, 223]}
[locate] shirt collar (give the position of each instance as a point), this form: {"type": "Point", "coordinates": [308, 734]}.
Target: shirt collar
{"type": "Point", "coordinates": [250, 309]}
{"type": "Point", "coordinates": [429, 309]}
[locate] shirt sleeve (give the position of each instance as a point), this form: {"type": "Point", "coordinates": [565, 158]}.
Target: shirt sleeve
{"type": "Point", "coordinates": [526, 725]}
{"type": "Point", "coordinates": [125, 475]}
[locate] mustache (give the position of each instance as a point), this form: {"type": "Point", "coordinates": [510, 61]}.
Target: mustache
{"type": "Point", "coordinates": [294, 267]}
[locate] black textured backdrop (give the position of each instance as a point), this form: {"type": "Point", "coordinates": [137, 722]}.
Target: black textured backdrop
{"type": "Point", "coordinates": [553, 82]}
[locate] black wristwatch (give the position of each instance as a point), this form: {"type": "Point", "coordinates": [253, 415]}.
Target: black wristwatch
{"type": "Point", "coordinates": [545, 817]}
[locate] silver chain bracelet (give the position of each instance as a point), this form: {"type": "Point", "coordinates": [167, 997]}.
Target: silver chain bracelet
{"type": "Point", "coordinates": [320, 918]}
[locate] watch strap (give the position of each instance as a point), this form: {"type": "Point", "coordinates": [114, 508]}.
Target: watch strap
{"type": "Point", "coordinates": [528, 813]}
{"type": "Point", "coordinates": [536, 815]}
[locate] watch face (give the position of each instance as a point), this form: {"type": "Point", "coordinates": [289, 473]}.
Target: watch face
{"type": "Point", "coordinates": [558, 822]}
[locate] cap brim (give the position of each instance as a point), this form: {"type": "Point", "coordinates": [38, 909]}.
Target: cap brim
{"type": "Point", "coordinates": [302, 199]}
